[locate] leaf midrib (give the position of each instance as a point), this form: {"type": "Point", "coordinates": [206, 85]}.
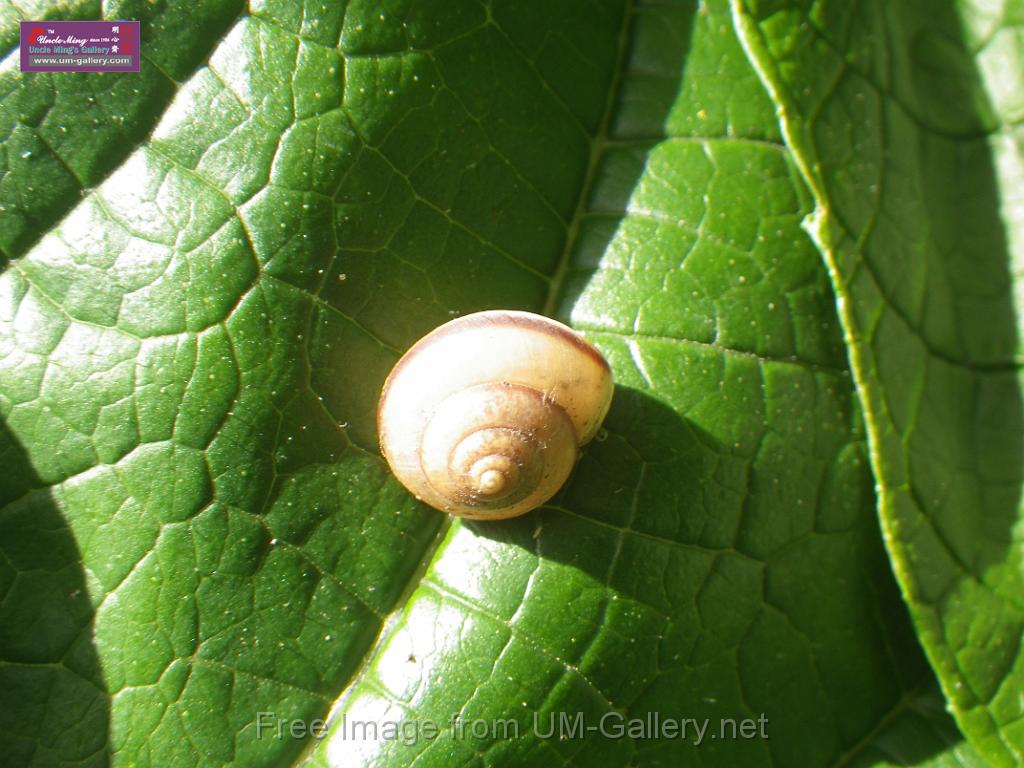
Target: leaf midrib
{"type": "Point", "coordinates": [597, 151]}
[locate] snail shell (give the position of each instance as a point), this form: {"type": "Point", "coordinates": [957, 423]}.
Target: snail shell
{"type": "Point", "coordinates": [484, 416]}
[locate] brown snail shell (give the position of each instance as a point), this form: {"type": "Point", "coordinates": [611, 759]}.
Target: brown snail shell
{"type": "Point", "coordinates": [484, 416]}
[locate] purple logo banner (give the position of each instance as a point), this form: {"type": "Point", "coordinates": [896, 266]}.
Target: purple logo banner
{"type": "Point", "coordinates": [80, 46]}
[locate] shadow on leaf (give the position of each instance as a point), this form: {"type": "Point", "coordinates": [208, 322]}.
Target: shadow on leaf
{"type": "Point", "coordinates": [804, 637]}
{"type": "Point", "coordinates": [54, 706]}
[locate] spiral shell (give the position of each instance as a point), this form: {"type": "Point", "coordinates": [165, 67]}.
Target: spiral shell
{"type": "Point", "coordinates": [484, 416]}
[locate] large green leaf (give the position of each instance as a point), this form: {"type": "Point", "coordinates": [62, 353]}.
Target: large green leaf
{"type": "Point", "coordinates": [717, 555]}
{"type": "Point", "coordinates": [906, 118]}
{"type": "Point", "coordinates": [197, 526]}
{"type": "Point", "coordinates": [202, 549]}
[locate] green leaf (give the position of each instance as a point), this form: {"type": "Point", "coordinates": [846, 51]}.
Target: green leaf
{"type": "Point", "coordinates": [197, 526]}
{"type": "Point", "coordinates": [203, 553]}
{"type": "Point", "coordinates": [906, 120]}
{"type": "Point", "coordinates": [717, 555]}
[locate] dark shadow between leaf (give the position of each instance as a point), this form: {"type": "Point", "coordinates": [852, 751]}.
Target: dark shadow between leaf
{"type": "Point", "coordinates": [54, 705]}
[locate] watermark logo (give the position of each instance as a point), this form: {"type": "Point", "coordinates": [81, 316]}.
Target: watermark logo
{"type": "Point", "coordinates": [80, 46]}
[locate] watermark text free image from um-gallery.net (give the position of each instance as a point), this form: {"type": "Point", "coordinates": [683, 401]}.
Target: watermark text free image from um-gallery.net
{"type": "Point", "coordinates": [553, 725]}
